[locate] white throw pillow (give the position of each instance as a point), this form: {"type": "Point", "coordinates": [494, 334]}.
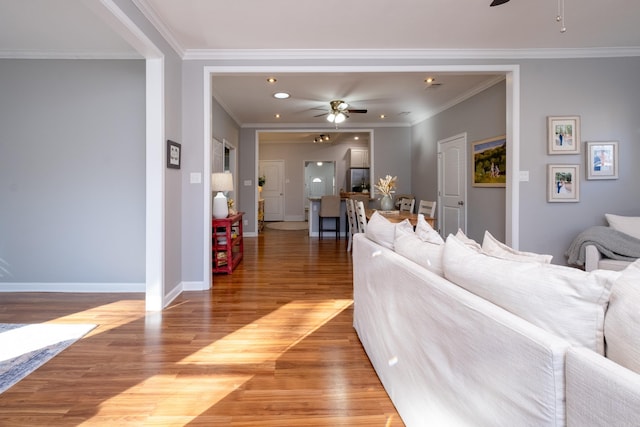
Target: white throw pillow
{"type": "Point", "coordinates": [622, 321]}
{"type": "Point", "coordinates": [382, 231]}
{"type": "Point", "coordinates": [468, 241]}
{"type": "Point", "coordinates": [627, 224]}
{"type": "Point", "coordinates": [492, 246]}
{"type": "Point", "coordinates": [563, 300]}
{"type": "Point", "coordinates": [426, 254]}
{"type": "Point", "coordinates": [426, 233]}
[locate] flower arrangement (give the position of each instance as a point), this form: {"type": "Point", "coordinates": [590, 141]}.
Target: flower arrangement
{"type": "Point", "coordinates": [232, 209]}
{"type": "Point", "coordinates": [261, 180]}
{"type": "Point", "coordinates": [387, 185]}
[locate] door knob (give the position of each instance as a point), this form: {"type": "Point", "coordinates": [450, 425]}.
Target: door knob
{"type": "Point", "coordinates": [460, 203]}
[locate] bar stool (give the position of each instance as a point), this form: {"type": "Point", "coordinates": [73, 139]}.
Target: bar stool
{"type": "Point", "coordinates": [329, 208]}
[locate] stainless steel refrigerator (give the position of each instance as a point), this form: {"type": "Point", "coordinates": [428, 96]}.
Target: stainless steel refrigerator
{"type": "Point", "coordinates": [358, 179]}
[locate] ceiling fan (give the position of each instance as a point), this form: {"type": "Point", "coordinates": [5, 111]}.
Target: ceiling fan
{"type": "Point", "coordinates": [340, 111]}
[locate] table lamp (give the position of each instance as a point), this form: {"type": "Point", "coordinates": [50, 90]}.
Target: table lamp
{"type": "Point", "coordinates": [221, 182]}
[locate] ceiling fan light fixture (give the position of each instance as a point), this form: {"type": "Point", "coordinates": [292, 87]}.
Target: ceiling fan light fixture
{"type": "Point", "coordinates": [343, 105]}
{"type": "Point", "coordinates": [331, 117]}
{"type": "Point", "coordinates": [339, 118]}
{"type": "Point", "coordinates": [281, 95]}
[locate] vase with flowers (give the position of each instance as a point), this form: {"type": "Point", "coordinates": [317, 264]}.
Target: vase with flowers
{"type": "Point", "coordinates": [261, 181]}
{"type": "Point", "coordinates": [386, 186]}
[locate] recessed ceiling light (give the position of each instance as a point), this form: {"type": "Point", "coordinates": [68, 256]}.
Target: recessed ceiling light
{"type": "Point", "coordinates": [277, 116]}
{"type": "Point", "coordinates": [356, 138]}
{"type": "Point", "coordinates": [382, 116]}
{"type": "Point", "coordinates": [271, 80]}
{"type": "Point", "coordinates": [429, 80]}
{"type": "Point", "coordinates": [281, 95]}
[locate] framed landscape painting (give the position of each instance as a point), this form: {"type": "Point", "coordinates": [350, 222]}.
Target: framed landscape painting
{"type": "Point", "coordinates": [563, 183]}
{"type": "Point", "coordinates": [490, 162]}
{"type": "Point", "coordinates": [602, 160]}
{"type": "Point", "coordinates": [563, 134]}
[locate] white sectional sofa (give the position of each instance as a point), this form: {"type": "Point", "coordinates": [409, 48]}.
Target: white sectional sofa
{"type": "Point", "coordinates": [520, 344]}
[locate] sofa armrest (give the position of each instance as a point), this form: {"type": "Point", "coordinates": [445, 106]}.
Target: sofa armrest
{"type": "Point", "coordinates": [600, 392]}
{"type": "Point", "coordinates": [592, 257]}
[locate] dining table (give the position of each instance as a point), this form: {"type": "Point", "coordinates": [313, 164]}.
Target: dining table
{"type": "Point", "coordinates": [399, 216]}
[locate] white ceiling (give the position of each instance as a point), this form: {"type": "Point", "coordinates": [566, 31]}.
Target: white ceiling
{"type": "Point", "coordinates": [295, 29]}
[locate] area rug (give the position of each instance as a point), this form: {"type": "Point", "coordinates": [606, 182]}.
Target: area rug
{"type": "Point", "coordinates": [26, 347]}
{"type": "Point", "coordinates": [288, 225]}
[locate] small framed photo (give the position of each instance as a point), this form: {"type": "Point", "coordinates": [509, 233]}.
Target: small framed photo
{"type": "Point", "coordinates": [602, 160]}
{"type": "Point", "coordinates": [563, 183]}
{"type": "Point", "coordinates": [174, 152]}
{"type": "Point", "coordinates": [563, 134]}
{"type": "Point", "coordinates": [490, 162]}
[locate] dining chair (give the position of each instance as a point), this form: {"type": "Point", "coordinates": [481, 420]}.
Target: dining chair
{"type": "Point", "coordinates": [399, 197]}
{"type": "Point", "coordinates": [352, 220]}
{"type": "Point", "coordinates": [407, 205]}
{"type": "Point", "coordinates": [329, 209]}
{"type": "Point", "coordinates": [427, 208]}
{"type": "Point", "coordinates": [361, 216]}
{"type": "Point", "coordinates": [364, 198]}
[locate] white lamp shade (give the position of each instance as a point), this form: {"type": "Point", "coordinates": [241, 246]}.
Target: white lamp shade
{"type": "Point", "coordinates": [221, 181]}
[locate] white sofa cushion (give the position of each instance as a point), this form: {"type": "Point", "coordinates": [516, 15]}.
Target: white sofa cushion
{"type": "Point", "coordinates": [566, 301]}
{"type": "Point", "coordinates": [627, 224]}
{"type": "Point", "coordinates": [382, 231]}
{"type": "Point", "coordinates": [492, 246]}
{"type": "Point", "coordinates": [427, 254]}
{"type": "Point", "coordinates": [622, 321]}
{"type": "Point", "coordinates": [426, 233]}
{"type": "Point", "coordinates": [468, 241]}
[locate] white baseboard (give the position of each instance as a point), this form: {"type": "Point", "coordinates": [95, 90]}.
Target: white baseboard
{"type": "Point", "coordinates": [72, 287]}
{"type": "Point", "coordinates": [194, 286]}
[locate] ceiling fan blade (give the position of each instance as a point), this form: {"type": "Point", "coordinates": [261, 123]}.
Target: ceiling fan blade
{"type": "Point", "coordinates": [498, 2]}
{"type": "Point", "coordinates": [356, 111]}
{"type": "Point", "coordinates": [320, 115]}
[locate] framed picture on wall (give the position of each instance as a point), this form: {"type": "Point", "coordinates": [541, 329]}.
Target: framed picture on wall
{"type": "Point", "coordinates": [563, 134]}
{"type": "Point", "coordinates": [174, 152]}
{"type": "Point", "coordinates": [563, 183]}
{"type": "Point", "coordinates": [490, 162]}
{"type": "Point", "coordinates": [602, 160]}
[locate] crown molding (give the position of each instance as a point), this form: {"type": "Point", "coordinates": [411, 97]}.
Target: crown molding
{"type": "Point", "coordinates": [284, 54]}
{"type": "Point", "coordinates": [319, 128]}
{"type": "Point", "coordinates": [66, 54]}
{"type": "Point", "coordinates": [149, 12]}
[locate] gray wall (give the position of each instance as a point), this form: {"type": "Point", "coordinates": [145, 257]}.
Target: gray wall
{"type": "Point", "coordinates": [294, 156]}
{"type": "Point", "coordinates": [392, 155]}
{"type": "Point", "coordinates": [482, 116]}
{"type": "Point", "coordinates": [72, 171]}
{"type": "Point", "coordinates": [606, 95]}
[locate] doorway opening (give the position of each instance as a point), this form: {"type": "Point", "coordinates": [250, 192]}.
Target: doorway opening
{"type": "Point", "coordinates": [319, 180]}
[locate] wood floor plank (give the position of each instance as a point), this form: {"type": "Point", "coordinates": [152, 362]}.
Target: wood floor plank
{"type": "Point", "coordinates": [270, 345]}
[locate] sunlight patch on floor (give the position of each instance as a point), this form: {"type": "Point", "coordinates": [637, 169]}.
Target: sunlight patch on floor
{"type": "Point", "coordinates": [261, 342]}
{"type": "Point", "coordinates": [270, 336]}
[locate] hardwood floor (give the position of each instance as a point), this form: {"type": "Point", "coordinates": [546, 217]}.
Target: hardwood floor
{"type": "Point", "coordinates": [270, 345]}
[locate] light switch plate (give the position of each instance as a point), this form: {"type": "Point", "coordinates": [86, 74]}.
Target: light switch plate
{"type": "Point", "coordinates": [524, 176]}
{"type": "Point", "coordinates": [247, 183]}
{"type": "Point", "coordinates": [195, 178]}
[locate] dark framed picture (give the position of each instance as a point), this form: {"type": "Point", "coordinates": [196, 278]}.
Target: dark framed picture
{"type": "Point", "coordinates": [174, 153]}
{"type": "Point", "coordinates": [602, 160]}
{"type": "Point", "coordinates": [490, 162]}
{"type": "Point", "coordinates": [563, 183]}
{"type": "Point", "coordinates": [563, 134]}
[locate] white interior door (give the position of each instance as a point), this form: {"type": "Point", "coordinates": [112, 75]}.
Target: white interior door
{"type": "Point", "coordinates": [273, 189]}
{"type": "Point", "coordinates": [452, 184]}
